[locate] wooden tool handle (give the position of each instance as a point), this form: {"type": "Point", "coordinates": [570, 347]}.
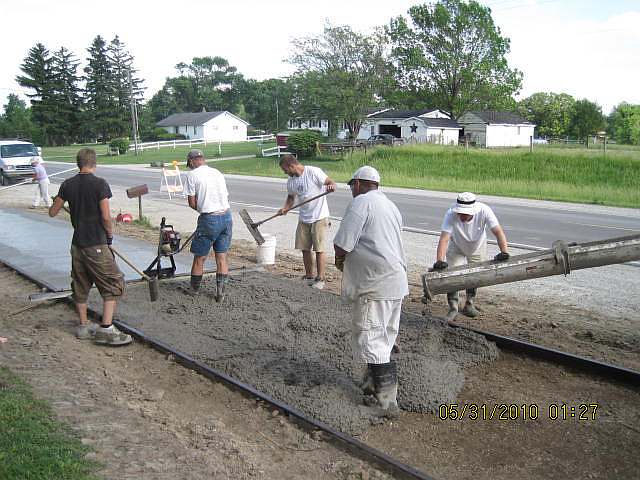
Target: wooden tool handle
{"type": "Point", "coordinates": [128, 262]}
{"type": "Point", "coordinates": [293, 207]}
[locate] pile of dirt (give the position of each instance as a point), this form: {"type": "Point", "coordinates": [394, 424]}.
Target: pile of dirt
{"type": "Point", "coordinates": [294, 343]}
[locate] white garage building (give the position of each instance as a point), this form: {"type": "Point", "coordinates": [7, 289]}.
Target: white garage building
{"type": "Point", "coordinates": [220, 126]}
{"type": "Point", "coordinates": [496, 129]}
{"type": "Point", "coordinates": [421, 126]}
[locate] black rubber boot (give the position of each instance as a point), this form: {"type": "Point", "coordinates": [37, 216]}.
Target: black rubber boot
{"type": "Point", "coordinates": [367, 385]}
{"type": "Point", "coordinates": [221, 280]}
{"type": "Point", "coordinates": [452, 300]}
{"type": "Point", "coordinates": [385, 380]}
{"type": "Point", "coordinates": [469, 310]}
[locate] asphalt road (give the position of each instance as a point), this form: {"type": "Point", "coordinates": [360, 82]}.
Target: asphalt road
{"type": "Point", "coordinates": [525, 222]}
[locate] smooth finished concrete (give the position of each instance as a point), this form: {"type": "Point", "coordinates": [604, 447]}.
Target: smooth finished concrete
{"type": "Point", "coordinates": [38, 246]}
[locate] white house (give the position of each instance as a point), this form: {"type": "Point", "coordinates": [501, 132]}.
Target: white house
{"type": "Point", "coordinates": [496, 129]}
{"type": "Point", "coordinates": [212, 126]}
{"type": "Point", "coordinates": [421, 126]}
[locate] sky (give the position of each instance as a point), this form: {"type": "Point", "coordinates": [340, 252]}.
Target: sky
{"type": "Point", "coordinates": [586, 48]}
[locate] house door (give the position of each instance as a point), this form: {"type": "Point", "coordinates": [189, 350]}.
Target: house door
{"type": "Point", "coordinates": [391, 129]}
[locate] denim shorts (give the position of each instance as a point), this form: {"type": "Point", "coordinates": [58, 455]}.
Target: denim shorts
{"type": "Point", "coordinates": [213, 230]}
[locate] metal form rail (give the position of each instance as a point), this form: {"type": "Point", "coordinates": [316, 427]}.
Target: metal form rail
{"type": "Point", "coordinates": [366, 452]}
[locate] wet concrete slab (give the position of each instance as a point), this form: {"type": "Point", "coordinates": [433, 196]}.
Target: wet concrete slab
{"type": "Point", "coordinates": [38, 246]}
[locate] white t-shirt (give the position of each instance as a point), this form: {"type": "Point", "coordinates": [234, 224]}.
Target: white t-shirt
{"type": "Point", "coordinates": [375, 266]}
{"type": "Point", "coordinates": [41, 173]}
{"type": "Point", "coordinates": [209, 188]}
{"type": "Point", "coordinates": [468, 236]}
{"type": "Point", "coordinates": [307, 185]}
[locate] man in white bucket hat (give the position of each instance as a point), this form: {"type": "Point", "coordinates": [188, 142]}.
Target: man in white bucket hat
{"type": "Point", "coordinates": [463, 239]}
{"type": "Point", "coordinates": [368, 248]}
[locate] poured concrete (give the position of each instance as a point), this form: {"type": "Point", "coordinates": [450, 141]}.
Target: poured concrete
{"type": "Point", "coordinates": [38, 246]}
{"type": "Point", "coordinates": [293, 342]}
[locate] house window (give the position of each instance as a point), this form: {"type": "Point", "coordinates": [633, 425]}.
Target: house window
{"type": "Point", "coordinates": [299, 123]}
{"type": "Point", "coordinates": [312, 123]}
{"type": "Point", "coordinates": [518, 130]}
{"type": "Point", "coordinates": [235, 127]}
{"type": "Point", "coordinates": [177, 129]}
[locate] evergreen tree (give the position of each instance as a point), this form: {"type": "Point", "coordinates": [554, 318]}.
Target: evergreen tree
{"type": "Point", "coordinates": [121, 66]}
{"type": "Point", "coordinates": [66, 98]}
{"type": "Point", "coordinates": [100, 95]}
{"type": "Point", "coordinates": [39, 77]}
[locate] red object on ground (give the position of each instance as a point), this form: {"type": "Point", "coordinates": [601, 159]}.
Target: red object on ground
{"type": "Point", "coordinates": [124, 218]}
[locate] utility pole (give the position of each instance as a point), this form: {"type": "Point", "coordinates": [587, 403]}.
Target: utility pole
{"type": "Point", "coordinates": [134, 114]}
{"type": "Point", "coordinates": [277, 116]}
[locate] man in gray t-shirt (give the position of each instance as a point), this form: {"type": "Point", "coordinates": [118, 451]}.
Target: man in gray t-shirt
{"type": "Point", "coordinates": [368, 249]}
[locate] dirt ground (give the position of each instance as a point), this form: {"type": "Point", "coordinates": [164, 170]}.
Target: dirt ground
{"type": "Point", "coordinates": [150, 418]}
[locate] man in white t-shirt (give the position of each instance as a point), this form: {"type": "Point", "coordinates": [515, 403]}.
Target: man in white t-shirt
{"type": "Point", "coordinates": [463, 239]}
{"type": "Point", "coordinates": [207, 194]}
{"type": "Point", "coordinates": [313, 221]}
{"type": "Point", "coordinates": [369, 251]}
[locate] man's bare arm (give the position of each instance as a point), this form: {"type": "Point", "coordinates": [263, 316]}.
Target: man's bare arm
{"type": "Point", "coordinates": [443, 243]}
{"type": "Point", "coordinates": [54, 209]}
{"type": "Point", "coordinates": [288, 203]}
{"type": "Point", "coordinates": [105, 213]}
{"type": "Point", "coordinates": [501, 238]}
{"type": "Point", "coordinates": [193, 202]}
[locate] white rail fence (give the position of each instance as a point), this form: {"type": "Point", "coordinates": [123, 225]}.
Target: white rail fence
{"type": "Point", "coordinates": [191, 142]}
{"type": "Point", "coordinates": [275, 151]}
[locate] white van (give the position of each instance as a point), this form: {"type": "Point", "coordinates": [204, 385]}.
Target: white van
{"type": "Point", "coordinates": [15, 160]}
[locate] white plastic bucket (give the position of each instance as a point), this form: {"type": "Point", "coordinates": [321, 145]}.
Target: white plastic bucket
{"type": "Point", "coordinates": [266, 253]}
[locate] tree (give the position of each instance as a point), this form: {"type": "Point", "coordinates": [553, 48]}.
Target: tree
{"type": "Point", "coordinates": [624, 123]}
{"type": "Point", "coordinates": [16, 120]}
{"type": "Point", "coordinates": [339, 75]}
{"type": "Point", "coordinates": [551, 112]}
{"type": "Point", "coordinates": [100, 94]}
{"type": "Point", "coordinates": [453, 54]}
{"type": "Point", "coordinates": [38, 76]}
{"type": "Point", "coordinates": [267, 103]}
{"type": "Point", "coordinates": [65, 97]}
{"type": "Point", "coordinates": [207, 83]}
{"type": "Point", "coordinates": [121, 66]}
{"type": "Point", "coordinates": [587, 119]}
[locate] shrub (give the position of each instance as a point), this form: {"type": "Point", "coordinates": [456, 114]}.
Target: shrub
{"type": "Point", "coordinates": [303, 142]}
{"type": "Point", "coordinates": [122, 144]}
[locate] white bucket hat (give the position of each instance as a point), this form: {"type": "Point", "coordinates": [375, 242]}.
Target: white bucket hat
{"type": "Point", "coordinates": [365, 173]}
{"type": "Point", "coordinates": [466, 203]}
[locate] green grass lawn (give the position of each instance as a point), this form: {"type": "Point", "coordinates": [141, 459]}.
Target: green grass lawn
{"type": "Point", "coordinates": [166, 154]}
{"type": "Point", "coordinates": [571, 175]}
{"type": "Point", "coordinates": [33, 445]}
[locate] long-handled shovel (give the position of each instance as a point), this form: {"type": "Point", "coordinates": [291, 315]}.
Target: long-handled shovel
{"type": "Point", "coordinates": [253, 226]}
{"type": "Point", "coordinates": [153, 282]}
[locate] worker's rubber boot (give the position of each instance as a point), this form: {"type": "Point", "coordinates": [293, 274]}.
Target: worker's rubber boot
{"type": "Point", "coordinates": [221, 280]}
{"type": "Point", "coordinates": [452, 300]}
{"type": "Point", "coordinates": [385, 380]}
{"type": "Point", "coordinates": [469, 310]}
{"type": "Point", "coordinates": [367, 385]}
{"type": "Point", "coordinates": [195, 282]}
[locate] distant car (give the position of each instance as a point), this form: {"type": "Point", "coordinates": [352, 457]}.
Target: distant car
{"type": "Point", "coordinates": [15, 160]}
{"type": "Point", "coordinates": [540, 141]}
{"type": "Point", "coordinates": [381, 139]}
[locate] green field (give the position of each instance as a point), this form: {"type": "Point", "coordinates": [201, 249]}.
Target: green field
{"type": "Point", "coordinates": [33, 445]}
{"type": "Point", "coordinates": [166, 154]}
{"type": "Point", "coordinates": [572, 175]}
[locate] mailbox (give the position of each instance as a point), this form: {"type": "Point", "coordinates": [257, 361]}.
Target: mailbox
{"type": "Point", "coordinates": [138, 191]}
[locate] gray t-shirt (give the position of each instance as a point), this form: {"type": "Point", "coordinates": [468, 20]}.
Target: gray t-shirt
{"type": "Point", "coordinates": [375, 267]}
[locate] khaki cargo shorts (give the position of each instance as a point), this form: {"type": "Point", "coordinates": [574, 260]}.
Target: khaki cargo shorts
{"type": "Point", "coordinates": [314, 235]}
{"type": "Point", "coordinates": [95, 265]}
